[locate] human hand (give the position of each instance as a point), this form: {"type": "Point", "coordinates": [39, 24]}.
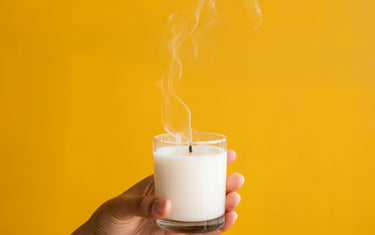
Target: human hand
{"type": "Point", "coordinates": [134, 211]}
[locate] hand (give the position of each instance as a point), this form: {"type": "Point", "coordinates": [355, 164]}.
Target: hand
{"type": "Point", "coordinates": [135, 211]}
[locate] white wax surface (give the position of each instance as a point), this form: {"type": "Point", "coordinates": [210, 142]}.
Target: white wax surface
{"type": "Point", "coordinates": [194, 182]}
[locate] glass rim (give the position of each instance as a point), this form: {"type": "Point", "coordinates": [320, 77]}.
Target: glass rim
{"type": "Point", "coordinates": [222, 139]}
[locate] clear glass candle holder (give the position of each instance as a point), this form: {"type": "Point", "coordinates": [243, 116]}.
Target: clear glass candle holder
{"type": "Point", "coordinates": [193, 176]}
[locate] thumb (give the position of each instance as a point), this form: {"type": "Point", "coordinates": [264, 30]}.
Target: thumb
{"type": "Point", "coordinates": [143, 206]}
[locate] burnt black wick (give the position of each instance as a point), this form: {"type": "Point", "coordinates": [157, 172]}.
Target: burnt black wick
{"type": "Point", "coordinates": [190, 148]}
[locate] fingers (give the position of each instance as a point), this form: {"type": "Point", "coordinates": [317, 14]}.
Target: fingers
{"type": "Point", "coordinates": [234, 182]}
{"type": "Point", "coordinates": [231, 201]}
{"type": "Point", "coordinates": [231, 155]}
{"type": "Point", "coordinates": [144, 206]}
{"type": "Point", "coordinates": [230, 218]}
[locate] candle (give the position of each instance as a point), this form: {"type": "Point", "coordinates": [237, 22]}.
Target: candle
{"type": "Point", "coordinates": [193, 178]}
{"type": "Point", "coordinates": [194, 182]}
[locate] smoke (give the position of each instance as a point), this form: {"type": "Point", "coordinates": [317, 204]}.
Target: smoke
{"type": "Point", "coordinates": [183, 27]}
{"type": "Point", "coordinates": [254, 12]}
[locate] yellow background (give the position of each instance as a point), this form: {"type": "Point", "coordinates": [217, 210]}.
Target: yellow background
{"type": "Point", "coordinates": [79, 105]}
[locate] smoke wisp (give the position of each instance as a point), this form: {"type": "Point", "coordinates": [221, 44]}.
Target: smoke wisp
{"type": "Point", "coordinates": [183, 27]}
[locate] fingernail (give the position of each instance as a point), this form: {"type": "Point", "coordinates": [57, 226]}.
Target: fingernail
{"type": "Point", "coordinates": [159, 207]}
{"type": "Point", "coordinates": [239, 197]}
{"type": "Point", "coordinates": [235, 216]}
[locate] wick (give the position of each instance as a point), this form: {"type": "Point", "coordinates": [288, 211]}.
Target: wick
{"type": "Point", "coordinates": [190, 148]}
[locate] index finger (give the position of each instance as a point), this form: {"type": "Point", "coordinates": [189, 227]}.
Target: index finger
{"type": "Point", "coordinates": [231, 155]}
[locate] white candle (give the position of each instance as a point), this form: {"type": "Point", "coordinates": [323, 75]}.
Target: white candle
{"type": "Point", "coordinates": [194, 182]}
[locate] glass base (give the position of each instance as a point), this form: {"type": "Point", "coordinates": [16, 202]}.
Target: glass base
{"type": "Point", "coordinates": [191, 227]}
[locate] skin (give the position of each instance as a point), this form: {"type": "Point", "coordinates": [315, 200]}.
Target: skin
{"type": "Point", "coordinates": [135, 211]}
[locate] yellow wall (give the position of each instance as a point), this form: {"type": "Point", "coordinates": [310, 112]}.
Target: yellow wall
{"type": "Point", "coordinates": [79, 104]}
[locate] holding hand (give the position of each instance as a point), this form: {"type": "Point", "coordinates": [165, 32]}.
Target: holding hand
{"type": "Point", "coordinates": [134, 211]}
